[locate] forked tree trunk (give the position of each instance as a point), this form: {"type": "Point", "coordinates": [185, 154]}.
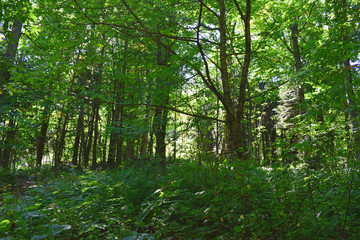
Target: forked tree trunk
{"type": "Point", "coordinates": [235, 110]}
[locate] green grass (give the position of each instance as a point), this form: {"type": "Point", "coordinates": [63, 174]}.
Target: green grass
{"type": "Point", "coordinates": [190, 202]}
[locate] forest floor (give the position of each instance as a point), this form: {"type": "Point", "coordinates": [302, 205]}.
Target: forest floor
{"type": "Point", "coordinates": [22, 184]}
{"type": "Point", "coordinates": [188, 202]}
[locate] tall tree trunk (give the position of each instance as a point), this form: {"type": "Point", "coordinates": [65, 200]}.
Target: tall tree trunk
{"type": "Point", "coordinates": [130, 149]}
{"type": "Point", "coordinates": [96, 109]}
{"type": "Point", "coordinates": [161, 98]}
{"type": "Point", "coordinates": [10, 54]}
{"type": "Point", "coordinates": [151, 142]}
{"type": "Point", "coordinates": [89, 142]}
{"type": "Point", "coordinates": [347, 129]}
{"type": "Point", "coordinates": [174, 136]}
{"type": "Point", "coordinates": [60, 141]}
{"type": "Point", "coordinates": [231, 121]}
{"type": "Point", "coordinates": [9, 58]}
{"type": "Point", "coordinates": [235, 112]}
{"type": "Point", "coordinates": [160, 121]}
{"type": "Point", "coordinates": [116, 139]}
{"type": "Point", "coordinates": [297, 59]}
{"type": "Point", "coordinates": [294, 101]}
{"type": "Point", "coordinates": [79, 132]}
{"type": "Point", "coordinates": [8, 144]}
{"type": "Point", "coordinates": [272, 130]}
{"type": "Point", "coordinates": [218, 134]}
{"type": "Point", "coordinates": [145, 136]}
{"type": "Point", "coordinates": [342, 14]}
{"type": "Point", "coordinates": [96, 137]}
{"type": "Point", "coordinates": [119, 124]}
{"type": "Point", "coordinates": [96, 128]}
{"type": "Point", "coordinates": [144, 144]}
{"type": "Point", "coordinates": [105, 141]}
{"type": "Point", "coordinates": [298, 88]}
{"type": "Point", "coordinates": [41, 138]}
{"type": "Point", "coordinates": [119, 137]}
{"type": "Point", "coordinates": [352, 108]}
{"type": "Point", "coordinates": [112, 144]}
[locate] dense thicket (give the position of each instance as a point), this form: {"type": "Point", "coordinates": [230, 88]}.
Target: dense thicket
{"type": "Point", "coordinates": [226, 84]}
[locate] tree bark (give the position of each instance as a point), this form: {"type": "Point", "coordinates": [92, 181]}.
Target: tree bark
{"type": "Point", "coordinates": [352, 108]}
{"type": "Point", "coordinates": [130, 149]}
{"type": "Point", "coordinates": [89, 142]}
{"type": "Point", "coordinates": [119, 137]}
{"type": "Point", "coordinates": [112, 144]}
{"type": "Point", "coordinates": [10, 54]}
{"type": "Point", "coordinates": [96, 136]}
{"type": "Point", "coordinates": [342, 14]}
{"type": "Point", "coordinates": [298, 89]}
{"type": "Point", "coordinates": [160, 121]}
{"type": "Point", "coordinates": [116, 139]}
{"type": "Point", "coordinates": [297, 59]}
{"type": "Point", "coordinates": [145, 136]}
{"type": "Point", "coordinates": [235, 115]}
{"type": "Point", "coordinates": [8, 144]}
{"type": "Point", "coordinates": [60, 141]}
{"type": "Point", "coordinates": [105, 141]}
{"type": "Point", "coordinates": [41, 138]}
{"type": "Point", "coordinates": [8, 61]}
{"type": "Point", "coordinates": [79, 133]}
{"type": "Point", "coordinates": [161, 98]}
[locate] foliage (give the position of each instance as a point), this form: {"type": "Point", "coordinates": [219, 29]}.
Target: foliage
{"type": "Point", "coordinates": [192, 202]}
{"type": "Point", "coordinates": [199, 119]}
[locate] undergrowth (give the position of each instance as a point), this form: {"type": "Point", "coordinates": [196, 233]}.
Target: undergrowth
{"type": "Point", "coordinates": [190, 202]}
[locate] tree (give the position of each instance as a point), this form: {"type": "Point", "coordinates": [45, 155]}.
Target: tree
{"type": "Point", "coordinates": [7, 62]}
{"type": "Point", "coordinates": [341, 11]}
{"type": "Point", "coordinates": [118, 77]}
{"type": "Point", "coordinates": [234, 103]}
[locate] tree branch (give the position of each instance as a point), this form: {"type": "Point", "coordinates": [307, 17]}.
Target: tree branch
{"type": "Point", "coordinates": [208, 8]}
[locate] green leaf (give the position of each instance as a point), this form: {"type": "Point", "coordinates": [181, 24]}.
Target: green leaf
{"type": "Point", "coordinates": [5, 225]}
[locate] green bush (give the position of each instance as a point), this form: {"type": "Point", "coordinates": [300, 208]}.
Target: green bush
{"type": "Point", "coordinates": [190, 202]}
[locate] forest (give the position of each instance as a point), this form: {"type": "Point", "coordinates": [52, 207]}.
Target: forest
{"type": "Point", "coordinates": [179, 119]}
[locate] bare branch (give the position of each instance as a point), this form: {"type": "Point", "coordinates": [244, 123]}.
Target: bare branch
{"type": "Point", "coordinates": [208, 8]}
{"type": "Point", "coordinates": [208, 82]}
{"type": "Point", "coordinates": [239, 10]}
